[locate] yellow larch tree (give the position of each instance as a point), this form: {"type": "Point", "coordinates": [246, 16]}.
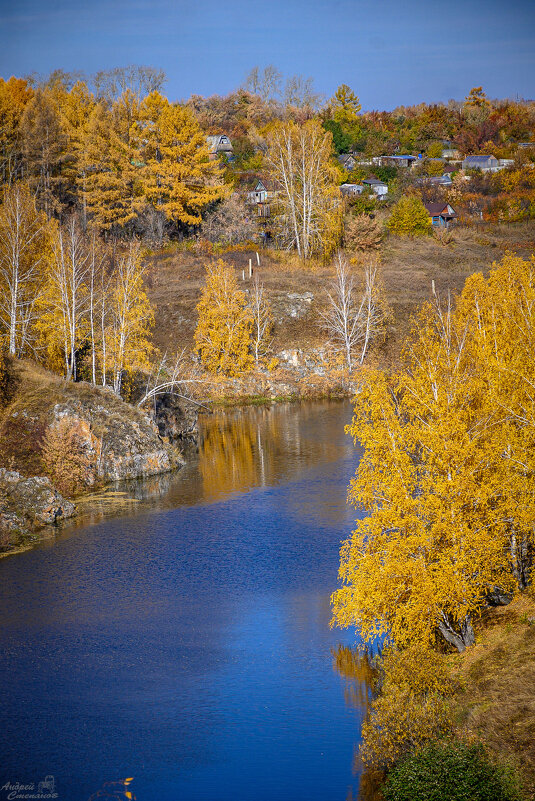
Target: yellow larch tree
{"type": "Point", "coordinates": [106, 174]}
{"type": "Point", "coordinates": [14, 96]}
{"type": "Point", "coordinates": [223, 333]}
{"type": "Point", "coordinates": [177, 177]}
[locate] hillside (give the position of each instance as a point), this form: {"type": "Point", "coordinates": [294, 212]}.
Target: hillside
{"type": "Point", "coordinates": [175, 279]}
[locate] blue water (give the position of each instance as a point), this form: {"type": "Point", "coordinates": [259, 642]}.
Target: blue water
{"type": "Point", "coordinates": [188, 646]}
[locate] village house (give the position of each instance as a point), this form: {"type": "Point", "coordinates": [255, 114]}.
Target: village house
{"type": "Point", "coordinates": [435, 180]}
{"type": "Point", "coordinates": [260, 193]}
{"type": "Point", "coordinates": [403, 160]}
{"type": "Point", "coordinates": [483, 163]}
{"type": "Point", "coordinates": [378, 187]}
{"type": "Point", "coordinates": [220, 143]}
{"type": "Point", "coordinates": [351, 190]}
{"type": "Point", "coordinates": [347, 161]}
{"type": "Point", "coordinates": [442, 214]}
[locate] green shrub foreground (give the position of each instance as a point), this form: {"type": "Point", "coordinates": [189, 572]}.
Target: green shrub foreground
{"type": "Point", "coordinates": [451, 771]}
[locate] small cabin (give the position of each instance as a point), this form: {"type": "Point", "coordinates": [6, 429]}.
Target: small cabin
{"type": "Point", "coordinates": [442, 214]}
{"type": "Point", "coordinates": [378, 187]}
{"type": "Point", "coordinates": [220, 143]}
{"type": "Point", "coordinates": [351, 190]}
{"type": "Point", "coordinates": [483, 163]}
{"type": "Point", "coordinates": [347, 161]}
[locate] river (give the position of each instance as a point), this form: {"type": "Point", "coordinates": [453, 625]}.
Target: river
{"type": "Point", "coordinates": [186, 645]}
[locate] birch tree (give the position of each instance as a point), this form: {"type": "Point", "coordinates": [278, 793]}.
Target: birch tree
{"type": "Point", "coordinates": [309, 217]}
{"type": "Point", "coordinates": [24, 251]}
{"type": "Point", "coordinates": [129, 347]}
{"type": "Point", "coordinates": [357, 311]}
{"type": "Point", "coordinates": [65, 301]}
{"type": "Point", "coordinates": [223, 333]}
{"type": "Point", "coordinates": [262, 320]}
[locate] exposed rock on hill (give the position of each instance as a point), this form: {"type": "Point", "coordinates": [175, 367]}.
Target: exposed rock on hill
{"type": "Point", "coordinates": [28, 505]}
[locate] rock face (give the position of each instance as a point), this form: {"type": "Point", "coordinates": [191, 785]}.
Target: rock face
{"type": "Point", "coordinates": [27, 505]}
{"type": "Point", "coordinates": [118, 441]}
{"type": "Point", "coordinates": [176, 420]}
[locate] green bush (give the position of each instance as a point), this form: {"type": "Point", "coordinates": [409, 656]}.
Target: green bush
{"type": "Point", "coordinates": [450, 770]}
{"type": "Point", "coordinates": [410, 218]}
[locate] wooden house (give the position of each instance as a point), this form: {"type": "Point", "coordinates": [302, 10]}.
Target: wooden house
{"type": "Point", "coordinates": [442, 214]}
{"type": "Point", "coordinates": [378, 187]}
{"type": "Point", "coordinates": [219, 144]}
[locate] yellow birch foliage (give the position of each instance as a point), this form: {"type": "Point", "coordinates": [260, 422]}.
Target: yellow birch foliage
{"type": "Point", "coordinates": [223, 333]}
{"type": "Point", "coordinates": [503, 328]}
{"type": "Point", "coordinates": [431, 479]}
{"type": "Point", "coordinates": [409, 218]}
{"type": "Point", "coordinates": [414, 706]}
{"type": "Point", "coordinates": [177, 176]}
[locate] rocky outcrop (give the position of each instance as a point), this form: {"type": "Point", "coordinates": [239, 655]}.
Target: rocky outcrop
{"type": "Point", "coordinates": [176, 420]}
{"type": "Point", "coordinates": [118, 441]}
{"type": "Point", "coordinates": [28, 505]}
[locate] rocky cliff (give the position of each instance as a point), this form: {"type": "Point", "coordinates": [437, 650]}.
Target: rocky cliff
{"type": "Point", "coordinates": [28, 505]}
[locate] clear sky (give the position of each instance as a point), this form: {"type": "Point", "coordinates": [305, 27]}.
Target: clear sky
{"type": "Point", "coordinates": [390, 52]}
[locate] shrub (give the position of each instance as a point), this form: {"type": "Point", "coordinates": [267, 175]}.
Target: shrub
{"type": "Point", "coordinates": [410, 218]}
{"type": "Point", "coordinates": [362, 233]}
{"type": "Point", "coordinates": [64, 458]}
{"type": "Point", "coordinates": [451, 771]}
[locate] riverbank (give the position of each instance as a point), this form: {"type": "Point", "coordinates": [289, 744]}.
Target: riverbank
{"type": "Point", "coordinates": [60, 440]}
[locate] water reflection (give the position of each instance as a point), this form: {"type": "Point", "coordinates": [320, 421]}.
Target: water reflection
{"type": "Point", "coordinates": [190, 646]}
{"type": "Point", "coordinates": [357, 667]}
{"type": "Point", "coordinates": [240, 449]}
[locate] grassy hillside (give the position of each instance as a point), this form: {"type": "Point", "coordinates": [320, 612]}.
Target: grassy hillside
{"type": "Point", "coordinates": [176, 278]}
{"type": "Point", "coordinates": [497, 675]}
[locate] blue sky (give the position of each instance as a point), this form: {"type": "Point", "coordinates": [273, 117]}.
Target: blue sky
{"type": "Point", "coordinates": [390, 52]}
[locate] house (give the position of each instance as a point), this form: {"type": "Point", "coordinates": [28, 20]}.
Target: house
{"type": "Point", "coordinates": [347, 161]}
{"type": "Point", "coordinates": [449, 151]}
{"type": "Point", "coordinates": [442, 214]}
{"type": "Point", "coordinates": [483, 163]}
{"type": "Point", "coordinates": [350, 190]}
{"type": "Point", "coordinates": [435, 180]}
{"type": "Point", "coordinates": [220, 143]}
{"type": "Point", "coordinates": [526, 144]}
{"type": "Point", "coordinates": [378, 187]}
{"type": "Point", "coordinates": [403, 160]}
{"type": "Point", "coordinates": [260, 193]}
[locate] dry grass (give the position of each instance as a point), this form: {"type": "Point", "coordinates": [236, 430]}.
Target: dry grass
{"type": "Point", "coordinates": [498, 678]}
{"type": "Point", "coordinates": [408, 266]}
{"type": "Point", "coordinates": [24, 421]}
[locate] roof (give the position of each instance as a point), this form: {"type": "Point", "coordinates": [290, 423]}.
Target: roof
{"type": "Point", "coordinates": [374, 182]}
{"type": "Point", "coordinates": [216, 139]}
{"type": "Point", "coordinates": [404, 156]}
{"type": "Point", "coordinates": [479, 159]}
{"type": "Point", "coordinates": [439, 209]}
